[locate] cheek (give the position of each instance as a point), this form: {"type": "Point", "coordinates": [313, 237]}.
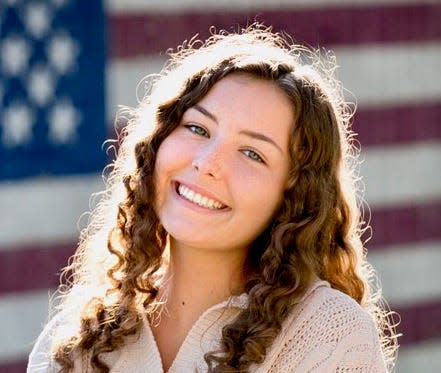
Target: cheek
{"type": "Point", "coordinates": [165, 157]}
{"type": "Point", "coordinates": [171, 159]}
{"type": "Point", "coordinates": [262, 194]}
{"type": "Point", "coordinates": [160, 177]}
{"type": "Point", "coordinates": [256, 190]}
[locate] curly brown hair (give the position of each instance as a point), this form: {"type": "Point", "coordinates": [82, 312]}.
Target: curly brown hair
{"type": "Point", "coordinates": [315, 233]}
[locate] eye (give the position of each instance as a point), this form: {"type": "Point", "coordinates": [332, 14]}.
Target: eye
{"type": "Point", "coordinates": [253, 155]}
{"type": "Point", "coordinates": [197, 130]}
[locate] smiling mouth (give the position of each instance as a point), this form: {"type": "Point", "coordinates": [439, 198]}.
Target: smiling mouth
{"type": "Point", "coordinates": [198, 199]}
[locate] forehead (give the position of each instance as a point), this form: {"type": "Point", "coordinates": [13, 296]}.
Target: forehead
{"type": "Point", "coordinates": [246, 95]}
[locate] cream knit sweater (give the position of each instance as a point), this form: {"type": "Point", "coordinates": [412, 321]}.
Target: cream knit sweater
{"type": "Point", "coordinates": [326, 332]}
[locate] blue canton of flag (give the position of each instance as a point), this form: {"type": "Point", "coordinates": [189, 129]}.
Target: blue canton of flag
{"type": "Point", "coordinates": [52, 116]}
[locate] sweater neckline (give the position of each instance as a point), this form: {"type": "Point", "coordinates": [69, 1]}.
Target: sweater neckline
{"type": "Point", "coordinates": [205, 327]}
{"type": "Point", "coordinates": [234, 302]}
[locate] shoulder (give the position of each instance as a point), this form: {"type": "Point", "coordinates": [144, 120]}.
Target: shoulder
{"type": "Point", "coordinates": [329, 309]}
{"type": "Point", "coordinates": [327, 330]}
{"type": "Point", "coordinates": [62, 325]}
{"type": "Point", "coordinates": [328, 314]}
{"type": "Point", "coordinates": [40, 358]}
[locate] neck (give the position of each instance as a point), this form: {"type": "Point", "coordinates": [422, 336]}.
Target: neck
{"type": "Point", "coordinates": [194, 281]}
{"type": "Point", "coordinates": [200, 278]}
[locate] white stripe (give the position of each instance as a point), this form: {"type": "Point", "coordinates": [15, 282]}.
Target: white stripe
{"type": "Point", "coordinates": [401, 174]}
{"type": "Point", "coordinates": [382, 75]}
{"type": "Point", "coordinates": [47, 210]}
{"type": "Point", "coordinates": [409, 273]}
{"type": "Point", "coordinates": [44, 210]}
{"type": "Point", "coordinates": [376, 75]}
{"type": "Point", "coordinates": [125, 81]}
{"type": "Point", "coordinates": [422, 357]}
{"type": "Point", "coordinates": [132, 6]}
{"type": "Point", "coordinates": [23, 317]}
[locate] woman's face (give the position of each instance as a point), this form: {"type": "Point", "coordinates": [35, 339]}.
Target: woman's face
{"type": "Point", "coordinates": [220, 175]}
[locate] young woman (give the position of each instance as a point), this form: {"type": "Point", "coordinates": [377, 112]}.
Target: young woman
{"type": "Point", "coordinates": [228, 239]}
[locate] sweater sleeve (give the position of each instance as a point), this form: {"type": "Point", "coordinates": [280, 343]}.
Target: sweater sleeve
{"type": "Point", "coordinates": [358, 351]}
{"type": "Point", "coordinates": [331, 333]}
{"type": "Point", "coordinates": [40, 360]}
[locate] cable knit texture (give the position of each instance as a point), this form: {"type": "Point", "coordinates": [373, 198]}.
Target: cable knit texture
{"type": "Point", "coordinates": [327, 331]}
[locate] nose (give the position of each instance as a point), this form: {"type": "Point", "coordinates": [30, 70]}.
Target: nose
{"type": "Point", "coordinates": [210, 160]}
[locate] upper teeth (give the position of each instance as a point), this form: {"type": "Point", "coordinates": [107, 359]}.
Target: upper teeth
{"type": "Point", "coordinates": [198, 198]}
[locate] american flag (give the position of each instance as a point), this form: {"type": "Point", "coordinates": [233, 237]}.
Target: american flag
{"type": "Point", "coordinates": [66, 65]}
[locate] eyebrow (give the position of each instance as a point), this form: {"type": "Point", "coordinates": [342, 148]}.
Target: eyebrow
{"type": "Point", "coordinates": [252, 134]}
{"type": "Point", "coordinates": [262, 137]}
{"type": "Point", "coordinates": [205, 112]}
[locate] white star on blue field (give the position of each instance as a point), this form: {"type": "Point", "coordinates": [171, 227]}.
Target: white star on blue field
{"type": "Point", "coordinates": [51, 87]}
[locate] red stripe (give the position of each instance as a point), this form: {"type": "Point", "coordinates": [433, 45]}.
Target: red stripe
{"type": "Point", "coordinates": [151, 32]}
{"type": "Point", "coordinates": [419, 322]}
{"type": "Point", "coordinates": [38, 267]}
{"type": "Point", "coordinates": [401, 124]}
{"type": "Point", "coordinates": [406, 224]}
{"type": "Point", "coordinates": [34, 267]}
{"type": "Point", "coordinates": [13, 367]}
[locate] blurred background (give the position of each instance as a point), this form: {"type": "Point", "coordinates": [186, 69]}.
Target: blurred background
{"type": "Point", "coordinates": [66, 65]}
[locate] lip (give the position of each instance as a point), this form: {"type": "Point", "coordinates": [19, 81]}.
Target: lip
{"type": "Point", "coordinates": [202, 191]}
